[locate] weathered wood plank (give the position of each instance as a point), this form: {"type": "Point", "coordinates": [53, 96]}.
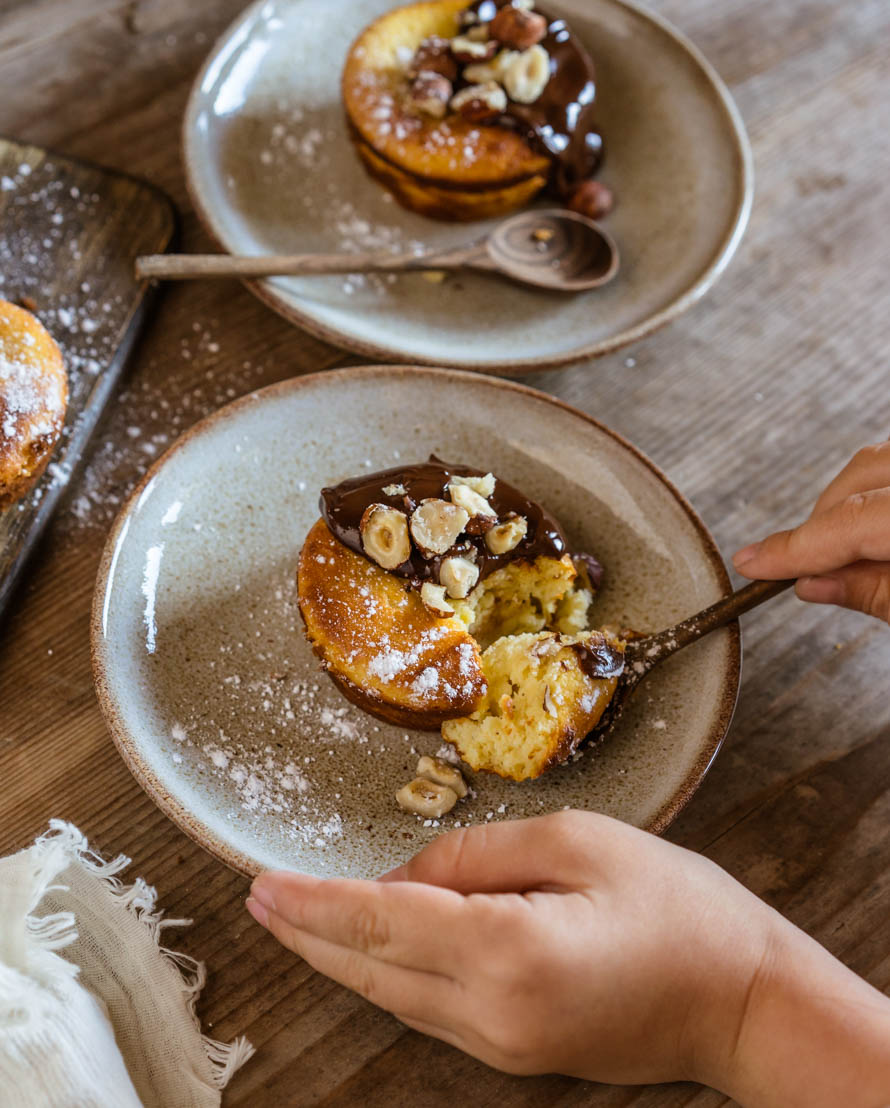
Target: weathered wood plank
{"type": "Point", "coordinates": [750, 402]}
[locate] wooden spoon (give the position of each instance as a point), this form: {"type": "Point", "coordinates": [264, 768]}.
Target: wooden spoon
{"type": "Point", "coordinates": [556, 249]}
{"type": "Point", "coordinates": [643, 655]}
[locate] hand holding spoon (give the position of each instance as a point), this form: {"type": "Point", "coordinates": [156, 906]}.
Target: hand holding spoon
{"type": "Point", "coordinates": [643, 655]}
{"type": "Point", "coordinates": [554, 249]}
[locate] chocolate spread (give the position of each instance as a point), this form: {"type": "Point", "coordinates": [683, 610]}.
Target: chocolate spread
{"type": "Point", "coordinates": [560, 122]}
{"type": "Point", "coordinates": [343, 505]}
{"type": "Point", "coordinates": [598, 659]}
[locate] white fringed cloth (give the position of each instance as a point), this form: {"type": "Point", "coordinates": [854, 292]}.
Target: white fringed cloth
{"type": "Point", "coordinates": [94, 1011]}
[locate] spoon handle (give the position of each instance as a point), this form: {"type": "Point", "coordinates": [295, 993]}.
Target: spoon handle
{"type": "Point", "coordinates": [184, 267]}
{"type": "Point", "coordinates": [718, 615]}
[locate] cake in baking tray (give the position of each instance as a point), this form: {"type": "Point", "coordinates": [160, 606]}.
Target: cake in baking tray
{"type": "Point", "coordinates": [33, 400]}
{"type": "Point", "coordinates": [439, 596]}
{"type": "Point", "coordinates": [470, 111]}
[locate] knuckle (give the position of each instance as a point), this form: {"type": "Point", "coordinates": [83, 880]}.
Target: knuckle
{"type": "Point", "coordinates": [876, 597]}
{"type": "Point", "coordinates": [363, 981]}
{"type": "Point", "coordinates": [872, 452]}
{"type": "Point", "coordinates": [369, 931]}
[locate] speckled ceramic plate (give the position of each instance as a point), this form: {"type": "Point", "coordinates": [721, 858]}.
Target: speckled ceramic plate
{"type": "Point", "coordinates": [218, 705]}
{"type": "Point", "coordinates": [271, 170]}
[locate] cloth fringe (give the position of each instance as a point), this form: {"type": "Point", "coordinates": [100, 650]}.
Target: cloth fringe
{"type": "Point", "coordinates": [63, 844]}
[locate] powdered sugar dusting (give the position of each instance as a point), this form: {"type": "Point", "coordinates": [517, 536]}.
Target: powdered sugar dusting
{"type": "Point", "coordinates": [43, 216]}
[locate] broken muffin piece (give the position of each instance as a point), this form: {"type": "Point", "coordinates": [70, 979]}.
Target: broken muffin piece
{"type": "Point", "coordinates": [413, 572]}
{"type": "Point", "coordinates": [546, 692]}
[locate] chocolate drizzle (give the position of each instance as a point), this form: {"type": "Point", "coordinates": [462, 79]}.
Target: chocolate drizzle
{"type": "Point", "coordinates": [599, 660]}
{"type": "Point", "coordinates": [560, 123]}
{"type": "Point", "coordinates": [343, 505]}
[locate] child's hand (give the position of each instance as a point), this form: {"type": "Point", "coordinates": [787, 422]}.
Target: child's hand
{"type": "Point", "coordinates": [841, 554]}
{"type": "Point", "coordinates": [577, 944]}
{"type": "Point", "coordinates": [569, 943]}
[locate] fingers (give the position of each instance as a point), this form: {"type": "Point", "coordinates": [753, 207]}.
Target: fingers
{"type": "Point", "coordinates": [855, 529]}
{"type": "Point", "coordinates": [867, 470]}
{"type": "Point", "coordinates": [416, 926]}
{"type": "Point", "coordinates": [408, 993]}
{"type": "Point", "coordinates": [864, 587]}
{"type": "Point", "coordinates": [518, 856]}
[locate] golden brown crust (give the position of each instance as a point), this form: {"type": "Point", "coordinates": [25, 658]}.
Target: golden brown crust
{"type": "Point", "coordinates": [440, 202]}
{"type": "Point", "coordinates": [387, 653]}
{"type": "Point", "coordinates": [33, 398]}
{"type": "Point", "coordinates": [449, 168]}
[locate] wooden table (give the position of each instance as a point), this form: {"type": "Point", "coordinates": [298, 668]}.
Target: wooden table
{"type": "Point", "coordinates": [750, 403]}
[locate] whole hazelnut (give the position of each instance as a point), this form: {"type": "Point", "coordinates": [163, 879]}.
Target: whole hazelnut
{"type": "Point", "coordinates": [593, 199]}
{"type": "Point", "coordinates": [434, 56]}
{"type": "Point", "coordinates": [517, 28]}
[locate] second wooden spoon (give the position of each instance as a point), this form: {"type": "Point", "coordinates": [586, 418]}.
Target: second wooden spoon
{"type": "Point", "coordinates": [555, 249]}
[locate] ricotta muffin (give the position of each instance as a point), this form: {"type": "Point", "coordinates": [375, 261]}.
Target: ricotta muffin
{"type": "Point", "coordinates": [424, 588]}
{"type": "Point", "coordinates": [469, 111]}
{"type": "Point", "coordinates": [33, 400]}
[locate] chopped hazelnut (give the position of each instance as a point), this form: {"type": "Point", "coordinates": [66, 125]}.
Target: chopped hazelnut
{"type": "Point", "coordinates": [435, 525]}
{"type": "Point", "coordinates": [482, 515]}
{"type": "Point", "coordinates": [441, 772]}
{"type": "Point", "coordinates": [434, 56]}
{"type": "Point", "coordinates": [483, 72]}
{"type": "Point", "coordinates": [467, 50]}
{"type": "Point", "coordinates": [426, 798]}
{"type": "Point", "coordinates": [459, 576]}
{"type": "Point", "coordinates": [480, 103]}
{"type": "Point", "coordinates": [528, 75]}
{"type": "Point", "coordinates": [384, 533]}
{"type": "Point", "coordinates": [507, 536]}
{"type": "Point", "coordinates": [434, 600]}
{"type": "Point", "coordinates": [483, 485]}
{"type": "Point", "coordinates": [430, 94]}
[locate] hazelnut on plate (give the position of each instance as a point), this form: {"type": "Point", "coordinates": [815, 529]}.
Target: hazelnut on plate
{"type": "Point", "coordinates": [593, 199]}
{"type": "Point", "coordinates": [384, 533]}
{"type": "Point", "coordinates": [426, 798]}
{"type": "Point", "coordinates": [518, 28]}
{"type": "Point", "coordinates": [441, 772]}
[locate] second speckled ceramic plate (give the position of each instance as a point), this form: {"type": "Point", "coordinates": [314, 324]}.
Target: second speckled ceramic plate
{"type": "Point", "coordinates": [271, 170]}
{"type": "Point", "coordinates": [218, 705]}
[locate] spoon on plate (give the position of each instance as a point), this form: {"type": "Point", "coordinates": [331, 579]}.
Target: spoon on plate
{"type": "Point", "coordinates": [644, 654]}
{"type": "Point", "coordinates": [554, 249]}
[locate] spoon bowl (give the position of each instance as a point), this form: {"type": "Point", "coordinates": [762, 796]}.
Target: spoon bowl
{"type": "Point", "coordinates": [550, 249]}
{"type": "Point", "coordinates": [553, 249]}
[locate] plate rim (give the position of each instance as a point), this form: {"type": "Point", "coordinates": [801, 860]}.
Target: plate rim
{"type": "Point", "coordinates": [128, 747]}
{"type": "Point", "coordinates": [722, 256]}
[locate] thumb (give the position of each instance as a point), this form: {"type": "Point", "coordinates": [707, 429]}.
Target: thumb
{"type": "Point", "coordinates": [517, 856]}
{"type": "Point", "coordinates": [863, 586]}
